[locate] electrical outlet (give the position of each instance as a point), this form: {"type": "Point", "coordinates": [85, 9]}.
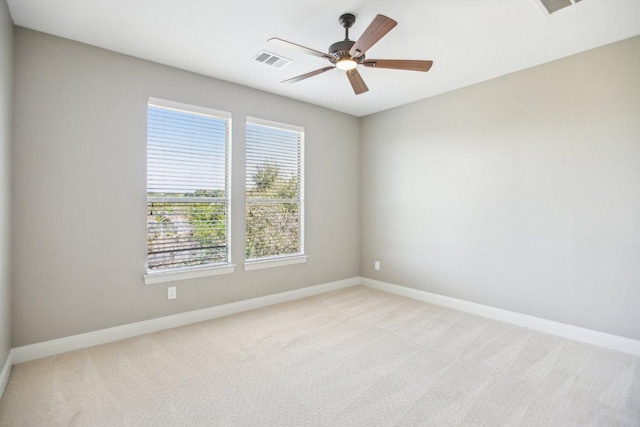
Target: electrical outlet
{"type": "Point", "coordinates": [172, 292]}
{"type": "Point", "coordinates": [376, 265]}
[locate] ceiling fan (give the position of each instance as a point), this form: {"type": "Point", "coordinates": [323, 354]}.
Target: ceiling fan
{"type": "Point", "coordinates": [348, 54]}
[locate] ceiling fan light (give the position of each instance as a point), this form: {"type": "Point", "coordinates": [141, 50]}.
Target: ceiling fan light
{"type": "Point", "coordinates": [346, 64]}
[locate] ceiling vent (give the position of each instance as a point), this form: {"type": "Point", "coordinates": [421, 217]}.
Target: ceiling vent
{"type": "Point", "coordinates": [551, 6]}
{"type": "Point", "coordinates": [271, 59]}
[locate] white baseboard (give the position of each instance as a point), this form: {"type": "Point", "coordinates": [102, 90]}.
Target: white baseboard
{"type": "Point", "coordinates": [103, 336]}
{"type": "Point", "coordinates": [601, 339]}
{"type": "Point", "coordinates": [6, 372]}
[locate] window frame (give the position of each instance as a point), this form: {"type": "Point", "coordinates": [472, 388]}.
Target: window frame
{"type": "Point", "coordinates": [251, 264]}
{"type": "Point", "coordinates": [203, 270]}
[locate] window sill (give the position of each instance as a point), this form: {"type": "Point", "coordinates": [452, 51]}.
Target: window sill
{"type": "Point", "coordinates": [184, 274]}
{"type": "Point", "coordinates": [274, 262]}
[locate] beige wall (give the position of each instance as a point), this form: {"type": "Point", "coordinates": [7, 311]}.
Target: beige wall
{"type": "Point", "coordinates": [521, 193]}
{"type": "Point", "coordinates": [6, 99]}
{"type": "Point", "coordinates": [80, 190]}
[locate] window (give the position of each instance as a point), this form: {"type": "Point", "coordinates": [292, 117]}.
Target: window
{"type": "Point", "coordinates": [274, 191]}
{"type": "Point", "coordinates": [187, 187]}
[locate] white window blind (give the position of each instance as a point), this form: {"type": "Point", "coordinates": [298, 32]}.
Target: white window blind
{"type": "Point", "coordinates": [274, 190]}
{"type": "Point", "coordinates": [187, 186]}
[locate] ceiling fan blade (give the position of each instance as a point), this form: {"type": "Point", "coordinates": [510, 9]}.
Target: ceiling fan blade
{"type": "Point", "coordinates": [297, 47]}
{"type": "Point", "coordinates": [306, 76]}
{"type": "Point", "coordinates": [399, 64]}
{"type": "Point", "coordinates": [356, 81]}
{"type": "Point", "coordinates": [380, 26]}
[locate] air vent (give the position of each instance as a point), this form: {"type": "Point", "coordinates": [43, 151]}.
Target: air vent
{"type": "Point", "coordinates": [551, 6]}
{"type": "Point", "coordinates": [271, 59]}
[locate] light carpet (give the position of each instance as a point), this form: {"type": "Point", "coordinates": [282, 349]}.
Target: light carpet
{"type": "Point", "coordinates": [354, 357]}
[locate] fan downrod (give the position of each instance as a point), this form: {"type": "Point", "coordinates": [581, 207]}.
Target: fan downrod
{"type": "Point", "coordinates": [347, 20]}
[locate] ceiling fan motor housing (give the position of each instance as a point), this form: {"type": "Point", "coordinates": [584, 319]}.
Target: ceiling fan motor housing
{"type": "Point", "coordinates": [340, 50]}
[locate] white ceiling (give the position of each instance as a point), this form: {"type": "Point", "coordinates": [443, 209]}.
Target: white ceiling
{"type": "Point", "coordinates": [469, 40]}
